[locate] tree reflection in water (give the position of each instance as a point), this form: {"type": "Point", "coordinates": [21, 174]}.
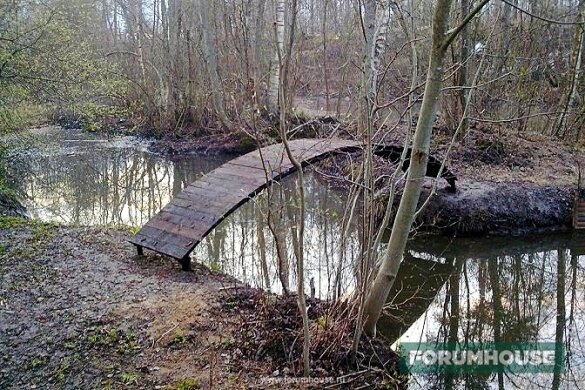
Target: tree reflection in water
{"type": "Point", "coordinates": [92, 184]}
{"type": "Point", "coordinates": [467, 290]}
{"type": "Point", "coordinates": [532, 291]}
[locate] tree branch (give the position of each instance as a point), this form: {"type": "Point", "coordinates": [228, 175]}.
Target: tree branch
{"type": "Point", "coordinates": [452, 34]}
{"type": "Point", "coordinates": [540, 17]}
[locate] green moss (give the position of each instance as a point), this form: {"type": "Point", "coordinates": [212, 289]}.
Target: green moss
{"type": "Point", "coordinates": [129, 378]}
{"type": "Point", "coordinates": [61, 373]}
{"type": "Point", "coordinates": [185, 384]}
{"type": "Point", "coordinates": [14, 222]}
{"type": "Point", "coordinates": [7, 192]}
{"type": "Point", "coordinates": [37, 362]}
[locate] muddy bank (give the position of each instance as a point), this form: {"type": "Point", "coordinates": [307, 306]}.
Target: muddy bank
{"type": "Point", "coordinates": [242, 140]}
{"type": "Point", "coordinates": [78, 309]}
{"type": "Point", "coordinates": [234, 144]}
{"type": "Point", "coordinates": [486, 207]}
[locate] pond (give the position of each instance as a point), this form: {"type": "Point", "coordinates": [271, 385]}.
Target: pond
{"type": "Point", "coordinates": [501, 289]}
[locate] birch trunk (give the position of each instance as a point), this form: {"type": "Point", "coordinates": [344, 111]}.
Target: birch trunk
{"type": "Point", "coordinates": [276, 68]}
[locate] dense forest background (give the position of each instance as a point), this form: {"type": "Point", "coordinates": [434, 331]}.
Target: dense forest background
{"type": "Point", "coordinates": [202, 66]}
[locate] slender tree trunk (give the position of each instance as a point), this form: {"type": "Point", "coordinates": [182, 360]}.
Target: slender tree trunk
{"type": "Point", "coordinates": [464, 71]}
{"type": "Point", "coordinates": [298, 236]}
{"type": "Point", "coordinates": [285, 99]}
{"type": "Point", "coordinates": [115, 22]}
{"type": "Point", "coordinates": [420, 153]}
{"type": "Point", "coordinates": [298, 202]}
{"type": "Point", "coordinates": [211, 64]}
{"type": "Point", "coordinates": [257, 47]}
{"type": "Point", "coordinates": [376, 22]}
{"type": "Point", "coordinates": [171, 40]}
{"type": "Point", "coordinates": [135, 29]}
{"type": "Point", "coordinates": [325, 63]}
{"type": "Point", "coordinates": [276, 68]}
{"type": "Point", "coordinates": [572, 98]}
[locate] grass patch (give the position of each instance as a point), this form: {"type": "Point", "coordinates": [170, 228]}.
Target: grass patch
{"type": "Point", "coordinates": [42, 232]}
{"type": "Point", "coordinates": [185, 384]}
{"type": "Point", "coordinates": [129, 378]}
{"type": "Point", "coordinates": [181, 340]}
{"type": "Point", "coordinates": [124, 342]}
{"type": "Point", "coordinates": [215, 267]}
{"type": "Point", "coordinates": [14, 222]}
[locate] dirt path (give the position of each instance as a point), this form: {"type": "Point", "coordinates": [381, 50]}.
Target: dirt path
{"type": "Point", "coordinates": [79, 310]}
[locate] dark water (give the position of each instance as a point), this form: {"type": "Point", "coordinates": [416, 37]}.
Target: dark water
{"type": "Point", "coordinates": [464, 289]}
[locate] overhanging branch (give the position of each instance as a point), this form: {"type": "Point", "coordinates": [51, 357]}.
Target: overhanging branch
{"type": "Point", "coordinates": [452, 34]}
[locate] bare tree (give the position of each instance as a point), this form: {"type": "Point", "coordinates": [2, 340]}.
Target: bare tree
{"type": "Point", "coordinates": [277, 62]}
{"type": "Point", "coordinates": [441, 40]}
{"type": "Point", "coordinates": [211, 62]}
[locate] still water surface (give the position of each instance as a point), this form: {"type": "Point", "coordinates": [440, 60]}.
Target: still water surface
{"type": "Point", "coordinates": [498, 289]}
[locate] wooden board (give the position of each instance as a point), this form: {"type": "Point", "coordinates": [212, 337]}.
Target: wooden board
{"type": "Point", "coordinates": [200, 207]}
{"type": "Point", "coordinates": [192, 214]}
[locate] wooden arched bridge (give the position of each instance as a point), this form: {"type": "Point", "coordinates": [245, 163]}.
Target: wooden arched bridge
{"type": "Point", "coordinates": [200, 207]}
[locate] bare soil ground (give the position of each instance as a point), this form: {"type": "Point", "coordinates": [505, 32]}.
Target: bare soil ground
{"type": "Point", "coordinates": [499, 155]}
{"type": "Point", "coordinates": [508, 183]}
{"type": "Point", "coordinates": [78, 309]}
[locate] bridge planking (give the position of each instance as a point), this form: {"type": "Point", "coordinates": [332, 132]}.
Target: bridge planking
{"type": "Point", "coordinates": [201, 206]}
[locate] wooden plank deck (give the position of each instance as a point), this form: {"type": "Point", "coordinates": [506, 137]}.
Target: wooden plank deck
{"type": "Point", "coordinates": [200, 207]}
